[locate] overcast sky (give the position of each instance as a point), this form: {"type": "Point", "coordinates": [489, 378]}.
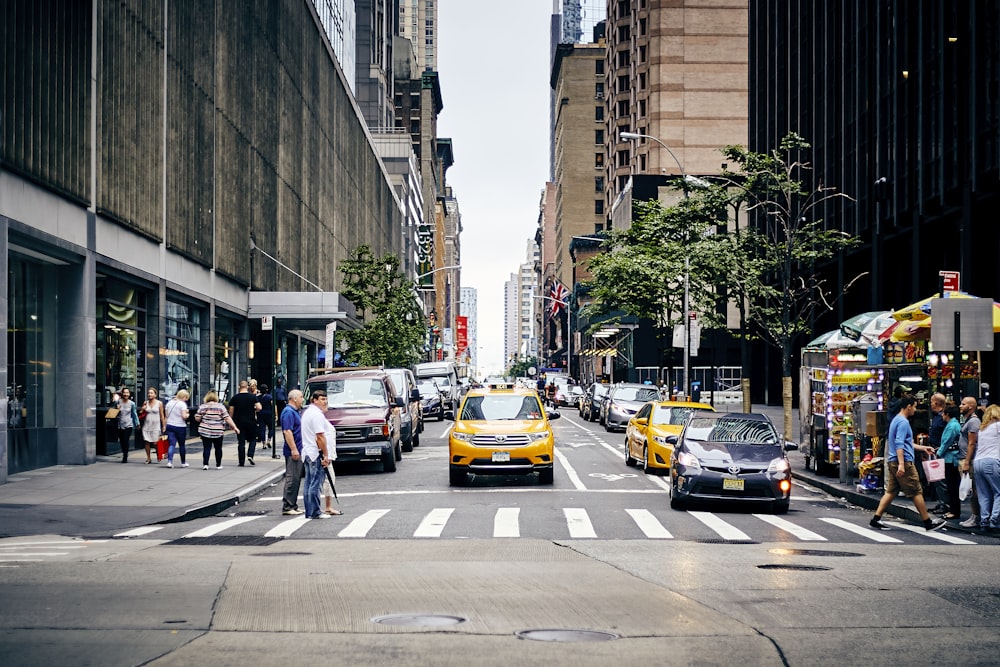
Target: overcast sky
{"type": "Point", "coordinates": [493, 62]}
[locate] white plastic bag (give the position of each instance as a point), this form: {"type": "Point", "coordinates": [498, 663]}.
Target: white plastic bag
{"type": "Point", "coordinates": [965, 488]}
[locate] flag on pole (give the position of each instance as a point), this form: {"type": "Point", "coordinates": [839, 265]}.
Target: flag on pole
{"type": "Point", "coordinates": [557, 298]}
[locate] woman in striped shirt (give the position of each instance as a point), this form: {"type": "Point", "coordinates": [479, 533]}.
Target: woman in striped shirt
{"type": "Point", "coordinates": [212, 418]}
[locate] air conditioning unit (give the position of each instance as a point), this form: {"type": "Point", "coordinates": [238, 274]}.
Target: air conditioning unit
{"type": "Point", "coordinates": [599, 96]}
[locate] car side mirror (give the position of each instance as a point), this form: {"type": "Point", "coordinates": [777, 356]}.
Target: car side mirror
{"type": "Point", "coordinates": [672, 439]}
{"type": "Point", "coordinates": [449, 415]}
{"type": "Point", "coordinates": [790, 446]}
{"type": "Point", "coordinates": [552, 415]}
{"type": "Point", "coordinates": [642, 421]}
{"type": "Point", "coordinates": [400, 403]}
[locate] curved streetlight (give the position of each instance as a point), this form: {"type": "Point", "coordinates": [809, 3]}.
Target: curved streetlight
{"type": "Point", "coordinates": [632, 136]}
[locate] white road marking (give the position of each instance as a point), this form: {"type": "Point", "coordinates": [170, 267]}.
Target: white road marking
{"type": "Point", "coordinates": [360, 526]}
{"type": "Point", "coordinates": [937, 535]}
{"type": "Point", "coordinates": [659, 481]}
{"type": "Point", "coordinates": [791, 528]}
{"type": "Point", "coordinates": [578, 522]}
{"type": "Point", "coordinates": [649, 524]}
{"type": "Point", "coordinates": [725, 531]}
{"type": "Point", "coordinates": [66, 544]}
{"type": "Point", "coordinates": [573, 477]}
{"type": "Point", "coordinates": [434, 523]}
{"type": "Point", "coordinates": [872, 535]}
{"type": "Point", "coordinates": [141, 530]}
{"type": "Point", "coordinates": [582, 428]}
{"type": "Point", "coordinates": [12, 558]}
{"type": "Point", "coordinates": [445, 434]}
{"type": "Point", "coordinates": [506, 522]}
{"type": "Point", "coordinates": [287, 527]}
{"type": "Point", "coordinates": [217, 528]}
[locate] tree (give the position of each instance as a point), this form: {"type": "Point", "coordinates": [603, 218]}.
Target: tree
{"type": "Point", "coordinates": [521, 366]}
{"type": "Point", "coordinates": [393, 328]}
{"type": "Point", "coordinates": [787, 243]}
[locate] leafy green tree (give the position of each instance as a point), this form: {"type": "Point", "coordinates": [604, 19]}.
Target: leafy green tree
{"type": "Point", "coordinates": [394, 330]}
{"type": "Point", "coordinates": [521, 366]}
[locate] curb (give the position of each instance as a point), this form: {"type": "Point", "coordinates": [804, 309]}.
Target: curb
{"type": "Point", "coordinates": [221, 503]}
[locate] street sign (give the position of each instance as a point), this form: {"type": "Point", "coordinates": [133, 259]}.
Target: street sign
{"type": "Point", "coordinates": [267, 322]}
{"type": "Point", "coordinates": [949, 281]}
{"type": "Point", "coordinates": [975, 321]}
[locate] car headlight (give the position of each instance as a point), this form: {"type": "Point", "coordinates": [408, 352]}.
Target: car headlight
{"type": "Point", "coordinates": [615, 408]}
{"type": "Point", "coordinates": [379, 429]}
{"type": "Point", "coordinates": [688, 460]}
{"type": "Point", "coordinates": [535, 437]}
{"type": "Point", "coordinates": [778, 465]}
{"type": "Point", "coordinates": [660, 439]}
{"type": "Point", "coordinates": [464, 437]}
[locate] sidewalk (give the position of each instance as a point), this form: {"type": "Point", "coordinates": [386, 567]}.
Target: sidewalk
{"type": "Point", "coordinates": [112, 495]}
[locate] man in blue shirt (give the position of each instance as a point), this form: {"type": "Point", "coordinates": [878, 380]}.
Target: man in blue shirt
{"type": "Point", "coordinates": [291, 429]}
{"type": "Point", "coordinates": [900, 470]}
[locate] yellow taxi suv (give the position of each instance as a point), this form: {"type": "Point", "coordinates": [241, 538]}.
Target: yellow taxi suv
{"type": "Point", "coordinates": [501, 430]}
{"type": "Point", "coordinates": [648, 429]}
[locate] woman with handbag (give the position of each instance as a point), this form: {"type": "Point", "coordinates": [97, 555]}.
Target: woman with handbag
{"type": "Point", "coordinates": [949, 452]}
{"type": "Point", "coordinates": [128, 420]}
{"type": "Point", "coordinates": [177, 416]}
{"type": "Point", "coordinates": [155, 422]}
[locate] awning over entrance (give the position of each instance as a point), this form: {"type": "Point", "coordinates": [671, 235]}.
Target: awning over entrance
{"type": "Point", "coordinates": [304, 310]}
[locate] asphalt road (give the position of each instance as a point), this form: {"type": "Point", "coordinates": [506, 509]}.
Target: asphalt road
{"type": "Point", "coordinates": [599, 555]}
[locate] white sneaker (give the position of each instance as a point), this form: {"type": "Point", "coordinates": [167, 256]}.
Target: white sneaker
{"type": "Point", "coordinates": [204, 467]}
{"type": "Point", "coordinates": [218, 467]}
{"type": "Point", "coordinates": [971, 522]}
{"type": "Point", "coordinates": [169, 464]}
{"type": "Point", "coordinates": [184, 465]}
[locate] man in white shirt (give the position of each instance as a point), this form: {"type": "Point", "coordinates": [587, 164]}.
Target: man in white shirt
{"type": "Point", "coordinates": [314, 452]}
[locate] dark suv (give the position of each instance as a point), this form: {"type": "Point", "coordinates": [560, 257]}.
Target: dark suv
{"type": "Point", "coordinates": [362, 405]}
{"type": "Point", "coordinates": [412, 422]}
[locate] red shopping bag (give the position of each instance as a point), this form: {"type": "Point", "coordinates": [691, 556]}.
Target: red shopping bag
{"type": "Point", "coordinates": [162, 445]}
{"type": "Point", "coordinates": [934, 469]}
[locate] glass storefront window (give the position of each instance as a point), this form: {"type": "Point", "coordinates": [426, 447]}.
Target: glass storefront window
{"type": "Point", "coordinates": [121, 338]}
{"type": "Point", "coordinates": [182, 326]}
{"type": "Point", "coordinates": [224, 365]}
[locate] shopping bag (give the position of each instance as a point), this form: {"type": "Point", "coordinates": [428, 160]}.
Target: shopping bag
{"type": "Point", "coordinates": [162, 445]}
{"type": "Point", "coordinates": [934, 469]}
{"type": "Point", "coordinates": [965, 487]}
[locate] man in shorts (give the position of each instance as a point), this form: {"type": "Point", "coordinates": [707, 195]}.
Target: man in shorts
{"type": "Point", "coordinates": [900, 470]}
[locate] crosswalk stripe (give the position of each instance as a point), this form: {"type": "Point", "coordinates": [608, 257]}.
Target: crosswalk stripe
{"type": "Point", "coordinates": [649, 525]}
{"type": "Point", "coordinates": [724, 530]}
{"type": "Point", "coordinates": [791, 528]}
{"type": "Point", "coordinates": [578, 522]}
{"type": "Point", "coordinates": [434, 523]}
{"type": "Point", "coordinates": [937, 535]}
{"type": "Point", "coordinates": [873, 535]}
{"type": "Point", "coordinates": [216, 528]}
{"type": "Point", "coordinates": [287, 527]}
{"type": "Point", "coordinates": [360, 526]}
{"type": "Point", "coordinates": [506, 522]}
{"type": "Point", "coordinates": [141, 530]}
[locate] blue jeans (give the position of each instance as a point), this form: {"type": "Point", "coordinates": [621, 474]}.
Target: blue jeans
{"type": "Point", "coordinates": [176, 435]}
{"type": "Point", "coordinates": [987, 477]}
{"type": "Point", "coordinates": [314, 480]}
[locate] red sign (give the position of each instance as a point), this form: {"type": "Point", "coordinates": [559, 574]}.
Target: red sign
{"type": "Point", "coordinates": [949, 281]}
{"type": "Point", "coordinates": [461, 334]}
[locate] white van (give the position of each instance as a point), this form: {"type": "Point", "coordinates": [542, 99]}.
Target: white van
{"type": "Point", "coordinates": [445, 375]}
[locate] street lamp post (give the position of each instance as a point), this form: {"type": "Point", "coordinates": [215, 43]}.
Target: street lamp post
{"type": "Point", "coordinates": [632, 136]}
{"type": "Point", "coordinates": [569, 330]}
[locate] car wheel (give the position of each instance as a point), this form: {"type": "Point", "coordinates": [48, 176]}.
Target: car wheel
{"type": "Point", "coordinates": [629, 461]}
{"type": "Point", "coordinates": [645, 460]}
{"type": "Point", "coordinates": [408, 444]}
{"type": "Point", "coordinates": [546, 476]}
{"type": "Point", "coordinates": [416, 439]}
{"type": "Point", "coordinates": [781, 507]}
{"type": "Point", "coordinates": [389, 461]}
{"type": "Point", "coordinates": [398, 449]}
{"type": "Point", "coordinates": [675, 502]}
{"type": "Point", "coordinates": [457, 477]}
{"type": "Point", "coordinates": [441, 415]}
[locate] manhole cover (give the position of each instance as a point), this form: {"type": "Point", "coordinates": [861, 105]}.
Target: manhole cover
{"type": "Point", "coordinates": [433, 620]}
{"type": "Point", "coordinates": [224, 541]}
{"type": "Point", "coordinates": [566, 635]}
{"type": "Point", "coordinates": [718, 540]}
{"type": "Point", "coordinates": [793, 566]}
{"type": "Point", "coordinates": [812, 552]}
{"type": "Point", "coordinates": [284, 553]}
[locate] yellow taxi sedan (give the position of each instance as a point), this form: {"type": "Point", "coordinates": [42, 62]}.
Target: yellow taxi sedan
{"type": "Point", "coordinates": [501, 430]}
{"type": "Point", "coordinates": [648, 429]}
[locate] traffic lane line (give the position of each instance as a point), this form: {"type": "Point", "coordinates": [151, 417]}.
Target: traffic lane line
{"type": "Point", "coordinates": [570, 472]}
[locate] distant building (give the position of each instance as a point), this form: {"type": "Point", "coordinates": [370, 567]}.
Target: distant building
{"type": "Point", "coordinates": [469, 308]}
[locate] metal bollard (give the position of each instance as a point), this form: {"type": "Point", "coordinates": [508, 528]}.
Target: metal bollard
{"type": "Point", "coordinates": [846, 455]}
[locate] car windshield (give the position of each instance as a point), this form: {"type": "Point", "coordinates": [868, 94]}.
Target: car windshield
{"type": "Point", "coordinates": [427, 388]}
{"type": "Point", "coordinates": [729, 429]}
{"type": "Point", "coordinates": [353, 393]}
{"type": "Point", "coordinates": [676, 416]}
{"type": "Point", "coordinates": [640, 394]}
{"type": "Point", "coordinates": [398, 382]}
{"type": "Point", "coordinates": [500, 406]}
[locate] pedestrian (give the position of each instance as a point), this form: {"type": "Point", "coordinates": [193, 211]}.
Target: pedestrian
{"type": "Point", "coordinates": [280, 397]}
{"type": "Point", "coordinates": [128, 420]}
{"type": "Point", "coordinates": [328, 477]}
{"type": "Point", "coordinates": [967, 441]}
{"type": "Point", "coordinates": [314, 452]}
{"type": "Point", "coordinates": [177, 429]}
{"type": "Point", "coordinates": [935, 490]}
{"type": "Point", "coordinates": [155, 422]}
{"type": "Point", "coordinates": [243, 408]}
{"type": "Point", "coordinates": [900, 471]}
{"type": "Point", "coordinates": [986, 469]}
{"type": "Point", "coordinates": [948, 450]}
{"type": "Point", "coordinates": [265, 418]}
{"type": "Point", "coordinates": [291, 431]}
{"type": "Point", "coordinates": [212, 420]}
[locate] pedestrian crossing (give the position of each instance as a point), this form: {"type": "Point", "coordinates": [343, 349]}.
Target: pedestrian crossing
{"type": "Point", "coordinates": [577, 523]}
{"type": "Point", "coordinates": [15, 552]}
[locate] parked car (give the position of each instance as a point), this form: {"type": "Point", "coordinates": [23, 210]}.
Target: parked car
{"type": "Point", "coordinates": [362, 405]}
{"type": "Point", "coordinates": [412, 416]}
{"type": "Point", "coordinates": [731, 457]}
{"type": "Point", "coordinates": [623, 401]}
{"type": "Point", "coordinates": [445, 374]}
{"type": "Point", "coordinates": [648, 432]}
{"type": "Point", "coordinates": [431, 399]}
{"type": "Point", "coordinates": [590, 404]}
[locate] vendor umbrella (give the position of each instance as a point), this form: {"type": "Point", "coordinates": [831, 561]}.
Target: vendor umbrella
{"type": "Point", "coordinates": [921, 310]}
{"type": "Point", "coordinates": [867, 324]}
{"type": "Point", "coordinates": [921, 329]}
{"type": "Point", "coordinates": [832, 340]}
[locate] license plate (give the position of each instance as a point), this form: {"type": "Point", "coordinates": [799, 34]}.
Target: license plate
{"type": "Point", "coordinates": [501, 457]}
{"type": "Point", "coordinates": [373, 451]}
{"type": "Point", "coordinates": [732, 485]}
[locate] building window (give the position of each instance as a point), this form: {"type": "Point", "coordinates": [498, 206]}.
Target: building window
{"type": "Point", "coordinates": [599, 137]}
{"type": "Point", "coordinates": [642, 54]}
{"type": "Point", "coordinates": [182, 325]}
{"type": "Point", "coordinates": [598, 160]}
{"type": "Point", "coordinates": [623, 158]}
{"type": "Point", "coordinates": [642, 26]}
{"type": "Point", "coordinates": [642, 80]}
{"type": "Point", "coordinates": [623, 108]}
{"type": "Point", "coordinates": [623, 83]}
{"type": "Point", "coordinates": [642, 163]}
{"type": "Point", "coordinates": [599, 66]}
{"type": "Point", "coordinates": [598, 113]}
{"type": "Point", "coordinates": [642, 108]}
{"type": "Point", "coordinates": [624, 58]}
{"type": "Point", "coordinates": [599, 206]}
{"type": "Point", "coordinates": [598, 184]}
{"type": "Point", "coordinates": [598, 90]}
{"type": "Point", "coordinates": [624, 33]}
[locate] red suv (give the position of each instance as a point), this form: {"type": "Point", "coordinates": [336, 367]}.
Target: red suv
{"type": "Point", "coordinates": [362, 405]}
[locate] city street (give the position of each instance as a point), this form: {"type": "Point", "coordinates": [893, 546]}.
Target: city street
{"type": "Point", "coordinates": [469, 568]}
